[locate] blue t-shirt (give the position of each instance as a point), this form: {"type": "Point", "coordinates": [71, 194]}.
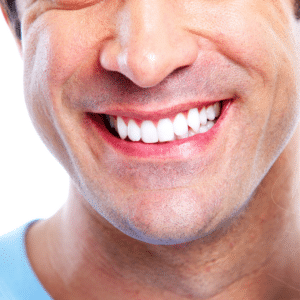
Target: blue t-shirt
{"type": "Point", "coordinates": [17, 279]}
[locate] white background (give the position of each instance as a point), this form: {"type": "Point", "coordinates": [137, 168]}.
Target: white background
{"type": "Point", "coordinates": [32, 183]}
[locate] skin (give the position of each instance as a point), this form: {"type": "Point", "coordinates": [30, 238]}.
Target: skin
{"type": "Point", "coordinates": [222, 224]}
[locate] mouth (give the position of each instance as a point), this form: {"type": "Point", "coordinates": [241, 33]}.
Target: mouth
{"type": "Point", "coordinates": [150, 136]}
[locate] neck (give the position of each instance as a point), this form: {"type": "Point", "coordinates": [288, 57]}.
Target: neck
{"type": "Point", "coordinates": [253, 257]}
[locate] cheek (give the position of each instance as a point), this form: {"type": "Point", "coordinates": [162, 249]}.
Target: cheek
{"type": "Point", "coordinates": [265, 41]}
{"type": "Point", "coordinates": [169, 216]}
{"type": "Point", "coordinates": [253, 34]}
{"type": "Point", "coordinates": [54, 46]}
{"type": "Point", "coordinates": [57, 43]}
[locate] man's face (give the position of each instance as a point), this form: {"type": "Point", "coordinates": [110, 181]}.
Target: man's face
{"type": "Point", "coordinates": [151, 60]}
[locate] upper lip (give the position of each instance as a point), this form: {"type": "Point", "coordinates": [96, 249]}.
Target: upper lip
{"type": "Point", "coordinates": [158, 114]}
{"type": "Point", "coordinates": [212, 78]}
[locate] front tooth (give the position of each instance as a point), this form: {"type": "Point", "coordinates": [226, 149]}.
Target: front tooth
{"type": "Point", "coordinates": [193, 119]}
{"type": "Point", "coordinates": [210, 113]}
{"type": "Point", "coordinates": [180, 125]}
{"type": "Point", "coordinates": [122, 128]}
{"type": "Point", "coordinates": [202, 116]}
{"type": "Point", "coordinates": [165, 130]}
{"type": "Point", "coordinates": [134, 131]}
{"type": "Point", "coordinates": [149, 132]}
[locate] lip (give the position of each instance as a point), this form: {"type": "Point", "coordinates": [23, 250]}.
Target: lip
{"type": "Point", "coordinates": [179, 149]}
{"type": "Point", "coordinates": [159, 114]}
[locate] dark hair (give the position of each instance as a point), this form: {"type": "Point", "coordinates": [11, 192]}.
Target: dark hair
{"type": "Point", "coordinates": [11, 10]}
{"type": "Point", "coordinates": [297, 9]}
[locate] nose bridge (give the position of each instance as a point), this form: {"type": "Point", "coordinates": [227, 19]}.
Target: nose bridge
{"type": "Point", "coordinates": [151, 44]}
{"type": "Point", "coordinates": [141, 18]}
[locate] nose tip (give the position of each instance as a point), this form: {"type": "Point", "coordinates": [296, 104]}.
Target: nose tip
{"type": "Point", "coordinates": [143, 69]}
{"type": "Point", "coordinates": [147, 66]}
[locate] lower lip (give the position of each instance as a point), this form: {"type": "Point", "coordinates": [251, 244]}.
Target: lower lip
{"type": "Point", "coordinates": [178, 149]}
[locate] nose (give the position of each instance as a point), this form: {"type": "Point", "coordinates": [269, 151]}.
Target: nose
{"type": "Point", "coordinates": [149, 43]}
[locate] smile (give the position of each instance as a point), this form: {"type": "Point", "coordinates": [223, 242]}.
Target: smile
{"type": "Point", "coordinates": [183, 125]}
{"type": "Point", "coordinates": [180, 135]}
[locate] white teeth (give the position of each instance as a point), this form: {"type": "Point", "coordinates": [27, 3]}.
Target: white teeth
{"type": "Point", "coordinates": [192, 132]}
{"type": "Point", "coordinates": [184, 136]}
{"type": "Point", "coordinates": [202, 116]}
{"type": "Point", "coordinates": [165, 130]}
{"type": "Point", "coordinates": [217, 109]}
{"type": "Point", "coordinates": [210, 113]}
{"type": "Point", "coordinates": [134, 131]}
{"type": "Point", "coordinates": [203, 129]}
{"type": "Point", "coordinates": [193, 119]}
{"type": "Point", "coordinates": [210, 124]}
{"type": "Point", "coordinates": [182, 127]}
{"type": "Point", "coordinates": [122, 128]}
{"type": "Point", "coordinates": [149, 132]}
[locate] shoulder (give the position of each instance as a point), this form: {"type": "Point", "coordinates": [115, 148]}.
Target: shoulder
{"type": "Point", "coordinates": [13, 258]}
{"type": "Point", "coordinates": [17, 279]}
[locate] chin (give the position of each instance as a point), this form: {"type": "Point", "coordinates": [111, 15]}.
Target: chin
{"type": "Point", "coordinates": [169, 217]}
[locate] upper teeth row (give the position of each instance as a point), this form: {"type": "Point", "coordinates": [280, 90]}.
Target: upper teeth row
{"type": "Point", "coordinates": [166, 130]}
